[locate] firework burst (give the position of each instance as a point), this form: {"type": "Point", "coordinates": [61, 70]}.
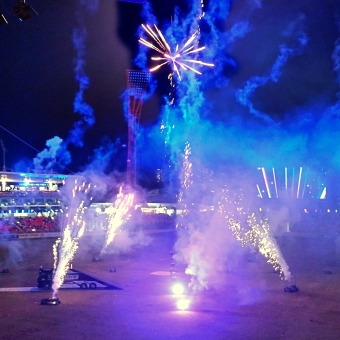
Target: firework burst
{"type": "Point", "coordinates": [179, 58]}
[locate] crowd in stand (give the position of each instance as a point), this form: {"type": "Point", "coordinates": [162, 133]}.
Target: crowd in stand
{"type": "Point", "coordinates": [309, 224]}
{"type": "Point", "coordinates": [38, 224]}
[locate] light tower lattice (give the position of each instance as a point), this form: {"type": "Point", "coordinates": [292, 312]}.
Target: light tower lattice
{"type": "Point", "coordinates": [137, 85]}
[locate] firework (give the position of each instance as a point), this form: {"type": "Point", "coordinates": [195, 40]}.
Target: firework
{"type": "Point", "coordinates": [248, 229]}
{"type": "Point", "coordinates": [187, 179]}
{"type": "Point", "coordinates": [262, 238]}
{"type": "Point", "coordinates": [117, 215]}
{"type": "Point", "coordinates": [179, 58]}
{"type": "Point", "coordinates": [66, 246]}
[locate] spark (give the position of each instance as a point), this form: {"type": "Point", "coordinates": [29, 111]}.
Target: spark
{"type": "Point", "coordinates": [177, 58]}
{"type": "Point", "coordinates": [66, 246]}
{"type": "Point", "coordinates": [264, 240]}
{"type": "Point", "coordinates": [187, 179]}
{"type": "Point", "coordinates": [266, 182]}
{"type": "Point", "coordinates": [258, 189]}
{"type": "Point", "coordinates": [117, 216]}
{"type": "Point", "coordinates": [187, 167]}
{"type": "Point", "coordinates": [249, 229]}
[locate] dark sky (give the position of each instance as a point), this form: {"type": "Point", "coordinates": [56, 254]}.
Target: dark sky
{"type": "Point", "coordinates": [37, 61]}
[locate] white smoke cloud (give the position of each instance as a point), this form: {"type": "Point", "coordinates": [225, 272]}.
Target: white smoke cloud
{"type": "Point", "coordinates": [125, 241]}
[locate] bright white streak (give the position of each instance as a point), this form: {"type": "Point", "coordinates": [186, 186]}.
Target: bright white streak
{"type": "Point", "coordinates": [266, 182]}
{"type": "Point", "coordinates": [188, 42]}
{"type": "Point", "coordinates": [148, 44]}
{"type": "Point", "coordinates": [299, 182]}
{"type": "Point", "coordinates": [199, 62]}
{"type": "Point", "coordinates": [193, 51]}
{"type": "Point", "coordinates": [158, 66]}
{"type": "Point", "coordinates": [258, 189]}
{"type": "Point", "coordinates": [277, 194]}
{"type": "Point", "coordinates": [163, 39]}
{"type": "Point", "coordinates": [154, 36]}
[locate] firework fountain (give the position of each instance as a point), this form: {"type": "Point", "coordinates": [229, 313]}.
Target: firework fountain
{"type": "Point", "coordinates": [251, 230]}
{"type": "Point", "coordinates": [117, 215]}
{"type": "Point", "coordinates": [73, 229]}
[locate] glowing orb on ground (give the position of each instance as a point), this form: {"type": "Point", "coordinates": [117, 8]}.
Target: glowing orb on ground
{"type": "Point", "coordinates": [178, 289]}
{"type": "Point", "coordinates": [183, 304]}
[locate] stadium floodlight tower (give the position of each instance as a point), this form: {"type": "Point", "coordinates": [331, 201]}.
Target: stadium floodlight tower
{"type": "Point", "coordinates": [137, 86]}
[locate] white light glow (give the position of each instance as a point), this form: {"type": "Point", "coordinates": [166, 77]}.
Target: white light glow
{"type": "Point", "coordinates": [178, 289]}
{"type": "Point", "coordinates": [183, 304]}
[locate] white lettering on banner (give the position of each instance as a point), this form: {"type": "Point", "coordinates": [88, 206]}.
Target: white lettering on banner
{"type": "Point", "coordinates": [71, 277]}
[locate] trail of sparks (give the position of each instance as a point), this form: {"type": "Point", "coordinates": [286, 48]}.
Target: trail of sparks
{"type": "Point", "coordinates": [257, 233]}
{"type": "Point", "coordinates": [179, 57]}
{"type": "Point", "coordinates": [187, 179]}
{"type": "Point", "coordinates": [65, 247]}
{"type": "Point", "coordinates": [117, 215]}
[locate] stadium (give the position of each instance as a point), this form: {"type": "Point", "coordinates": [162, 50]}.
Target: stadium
{"type": "Point", "coordinates": [170, 169]}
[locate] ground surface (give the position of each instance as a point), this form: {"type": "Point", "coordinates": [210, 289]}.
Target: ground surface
{"type": "Point", "coordinates": [251, 304]}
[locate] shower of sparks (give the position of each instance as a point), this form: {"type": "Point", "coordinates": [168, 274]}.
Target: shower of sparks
{"type": "Point", "coordinates": [66, 246]}
{"type": "Point", "coordinates": [263, 239]}
{"type": "Point", "coordinates": [178, 57]}
{"type": "Point", "coordinates": [187, 167]}
{"type": "Point", "coordinates": [257, 233]}
{"type": "Point", "coordinates": [117, 215]}
{"type": "Point", "coordinates": [187, 179]}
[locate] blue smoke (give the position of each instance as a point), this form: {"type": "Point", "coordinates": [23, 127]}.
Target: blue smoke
{"type": "Point", "coordinates": [243, 95]}
{"type": "Point", "coordinates": [80, 106]}
{"type": "Point", "coordinates": [148, 19]}
{"type": "Point", "coordinates": [336, 59]}
{"type": "Point", "coordinates": [56, 154]}
{"type": "Point", "coordinates": [335, 109]}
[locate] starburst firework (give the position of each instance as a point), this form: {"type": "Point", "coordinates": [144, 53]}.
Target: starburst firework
{"type": "Point", "coordinates": [179, 57]}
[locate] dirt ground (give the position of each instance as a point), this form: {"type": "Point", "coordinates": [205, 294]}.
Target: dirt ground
{"type": "Point", "coordinates": [250, 305]}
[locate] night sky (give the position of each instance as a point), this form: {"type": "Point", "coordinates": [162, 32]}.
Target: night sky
{"type": "Point", "coordinates": [38, 83]}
